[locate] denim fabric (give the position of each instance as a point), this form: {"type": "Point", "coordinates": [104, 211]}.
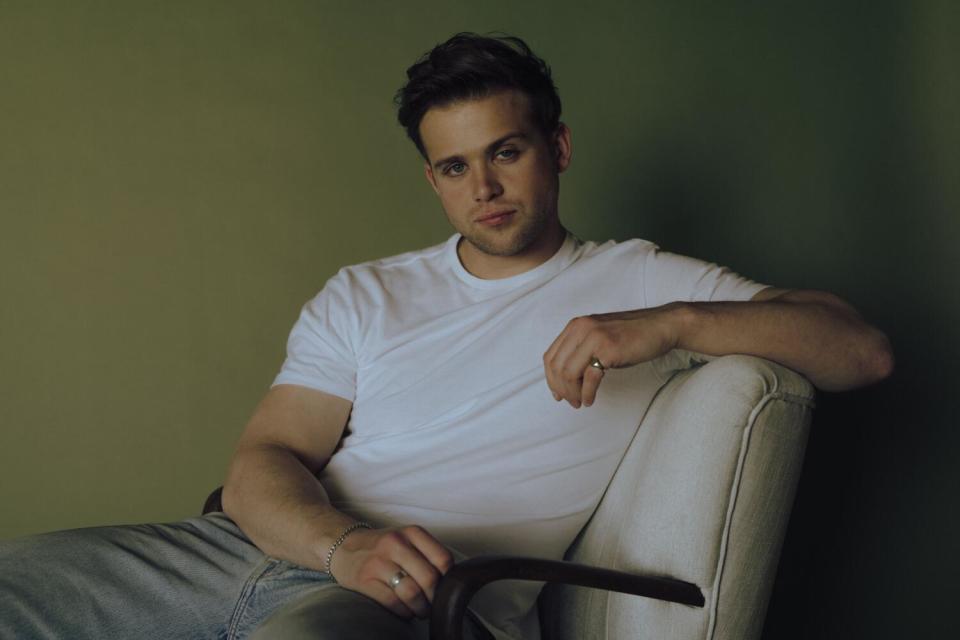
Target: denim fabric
{"type": "Point", "coordinates": [199, 578]}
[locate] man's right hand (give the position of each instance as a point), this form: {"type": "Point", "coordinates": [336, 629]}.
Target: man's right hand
{"type": "Point", "coordinates": [369, 558]}
{"type": "Point", "coordinates": [290, 438]}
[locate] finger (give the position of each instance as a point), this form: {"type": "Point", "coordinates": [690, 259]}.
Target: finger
{"type": "Point", "coordinates": [409, 593]}
{"type": "Point", "coordinates": [552, 349]}
{"type": "Point", "coordinates": [383, 594]}
{"type": "Point", "coordinates": [418, 567]}
{"type": "Point", "coordinates": [592, 377]}
{"type": "Point", "coordinates": [435, 553]}
{"type": "Point", "coordinates": [569, 367]}
{"type": "Point", "coordinates": [550, 365]}
{"type": "Point", "coordinates": [434, 550]}
{"type": "Point", "coordinates": [394, 552]}
{"type": "Point", "coordinates": [553, 364]}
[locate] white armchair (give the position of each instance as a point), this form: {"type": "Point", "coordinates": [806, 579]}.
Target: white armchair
{"type": "Point", "coordinates": [702, 496]}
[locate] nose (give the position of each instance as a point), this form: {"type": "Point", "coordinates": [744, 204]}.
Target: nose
{"type": "Point", "coordinates": [486, 184]}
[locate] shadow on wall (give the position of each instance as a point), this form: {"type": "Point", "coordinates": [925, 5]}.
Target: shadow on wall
{"type": "Point", "coordinates": [877, 457]}
{"type": "Point", "coordinates": [674, 196]}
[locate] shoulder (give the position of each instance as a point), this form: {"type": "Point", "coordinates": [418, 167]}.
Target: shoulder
{"type": "Point", "coordinates": [632, 249]}
{"type": "Point", "coordinates": [355, 292]}
{"type": "Point", "coordinates": [374, 278]}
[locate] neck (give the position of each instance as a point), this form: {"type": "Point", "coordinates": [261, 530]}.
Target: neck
{"type": "Point", "coordinates": [493, 267]}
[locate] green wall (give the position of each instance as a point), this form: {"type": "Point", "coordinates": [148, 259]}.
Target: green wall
{"type": "Point", "coordinates": [177, 178]}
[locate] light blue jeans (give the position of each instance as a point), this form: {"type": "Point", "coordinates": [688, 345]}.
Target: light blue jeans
{"type": "Point", "coordinates": [199, 578]}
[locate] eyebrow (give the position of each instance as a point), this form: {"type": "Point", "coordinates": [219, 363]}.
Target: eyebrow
{"type": "Point", "coordinates": [490, 147]}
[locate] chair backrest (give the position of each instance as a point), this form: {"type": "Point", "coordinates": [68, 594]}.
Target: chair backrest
{"type": "Point", "coordinates": [703, 494]}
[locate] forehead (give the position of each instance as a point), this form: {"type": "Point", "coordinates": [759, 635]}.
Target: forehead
{"type": "Point", "coordinates": [468, 126]}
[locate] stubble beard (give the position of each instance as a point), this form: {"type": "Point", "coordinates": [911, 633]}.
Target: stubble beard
{"type": "Point", "coordinates": [518, 237]}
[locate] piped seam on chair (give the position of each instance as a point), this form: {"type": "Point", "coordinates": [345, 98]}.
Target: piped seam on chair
{"type": "Point", "coordinates": [592, 594]}
{"type": "Point", "coordinates": [794, 398]}
{"type": "Point", "coordinates": [734, 492]}
{"type": "Point", "coordinates": [775, 394]}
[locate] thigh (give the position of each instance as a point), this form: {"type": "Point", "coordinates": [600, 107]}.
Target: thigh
{"type": "Point", "coordinates": [178, 580]}
{"type": "Point", "coordinates": [330, 612]}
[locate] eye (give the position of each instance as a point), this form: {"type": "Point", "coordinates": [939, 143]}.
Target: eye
{"type": "Point", "coordinates": [455, 169]}
{"type": "Point", "coordinates": [507, 154]}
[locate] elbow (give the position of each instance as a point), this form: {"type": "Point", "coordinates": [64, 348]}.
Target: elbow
{"type": "Point", "coordinates": [881, 359]}
{"type": "Point", "coordinates": [229, 497]}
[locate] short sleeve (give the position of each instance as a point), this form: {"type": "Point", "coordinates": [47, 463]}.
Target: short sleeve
{"type": "Point", "coordinates": [668, 277]}
{"type": "Point", "coordinates": [320, 349]}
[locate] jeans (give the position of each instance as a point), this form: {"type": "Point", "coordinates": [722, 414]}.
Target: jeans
{"type": "Point", "coordinates": [198, 578]}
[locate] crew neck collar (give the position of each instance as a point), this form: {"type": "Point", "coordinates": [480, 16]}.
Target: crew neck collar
{"type": "Point", "coordinates": [550, 267]}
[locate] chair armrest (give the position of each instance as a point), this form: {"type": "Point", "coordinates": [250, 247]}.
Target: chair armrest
{"type": "Point", "coordinates": [212, 502]}
{"type": "Point", "coordinates": [457, 587]}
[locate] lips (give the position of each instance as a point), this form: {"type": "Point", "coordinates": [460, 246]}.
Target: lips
{"type": "Point", "coordinates": [494, 218]}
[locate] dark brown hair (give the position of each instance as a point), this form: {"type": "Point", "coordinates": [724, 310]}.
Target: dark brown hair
{"type": "Point", "coordinates": [469, 66]}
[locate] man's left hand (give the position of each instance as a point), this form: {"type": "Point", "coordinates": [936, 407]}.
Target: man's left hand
{"type": "Point", "coordinates": [617, 340]}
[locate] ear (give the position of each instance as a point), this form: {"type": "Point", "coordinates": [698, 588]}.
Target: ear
{"type": "Point", "coordinates": [562, 147]}
{"type": "Point", "coordinates": [428, 172]}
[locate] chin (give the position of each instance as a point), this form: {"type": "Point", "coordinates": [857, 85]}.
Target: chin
{"type": "Point", "coordinates": [504, 245]}
{"type": "Point", "coordinates": [513, 239]}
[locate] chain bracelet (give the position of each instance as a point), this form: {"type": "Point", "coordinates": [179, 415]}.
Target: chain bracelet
{"type": "Point", "coordinates": [339, 541]}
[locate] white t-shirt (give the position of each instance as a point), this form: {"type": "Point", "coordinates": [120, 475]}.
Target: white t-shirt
{"type": "Point", "coordinates": [453, 426]}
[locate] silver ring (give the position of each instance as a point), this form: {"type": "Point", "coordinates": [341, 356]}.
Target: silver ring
{"type": "Point", "coordinates": [397, 577]}
{"type": "Point", "coordinates": [596, 364]}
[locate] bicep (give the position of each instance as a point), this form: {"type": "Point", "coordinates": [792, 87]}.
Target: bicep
{"type": "Point", "coordinates": [305, 421]}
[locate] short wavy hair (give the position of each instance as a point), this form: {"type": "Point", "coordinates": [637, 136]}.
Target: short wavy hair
{"type": "Point", "coordinates": [469, 66]}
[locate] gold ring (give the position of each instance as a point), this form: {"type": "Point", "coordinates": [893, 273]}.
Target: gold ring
{"type": "Point", "coordinates": [596, 364]}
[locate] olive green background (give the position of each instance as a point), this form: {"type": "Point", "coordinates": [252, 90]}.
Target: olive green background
{"type": "Point", "coordinates": [178, 178]}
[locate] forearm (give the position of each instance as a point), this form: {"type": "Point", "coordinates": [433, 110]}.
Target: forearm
{"type": "Point", "coordinates": [281, 506]}
{"type": "Point", "coordinates": [814, 333]}
{"type": "Point", "coordinates": [283, 509]}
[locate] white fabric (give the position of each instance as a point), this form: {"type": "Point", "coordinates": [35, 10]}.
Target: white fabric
{"type": "Point", "coordinates": [703, 494]}
{"type": "Point", "coordinates": [453, 426]}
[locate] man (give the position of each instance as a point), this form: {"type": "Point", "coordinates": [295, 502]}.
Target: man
{"type": "Point", "coordinates": [434, 404]}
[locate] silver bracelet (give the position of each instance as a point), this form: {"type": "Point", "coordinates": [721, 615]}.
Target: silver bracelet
{"type": "Point", "coordinates": [339, 541]}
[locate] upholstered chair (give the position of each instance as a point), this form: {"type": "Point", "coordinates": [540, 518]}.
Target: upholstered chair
{"type": "Point", "coordinates": [685, 542]}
